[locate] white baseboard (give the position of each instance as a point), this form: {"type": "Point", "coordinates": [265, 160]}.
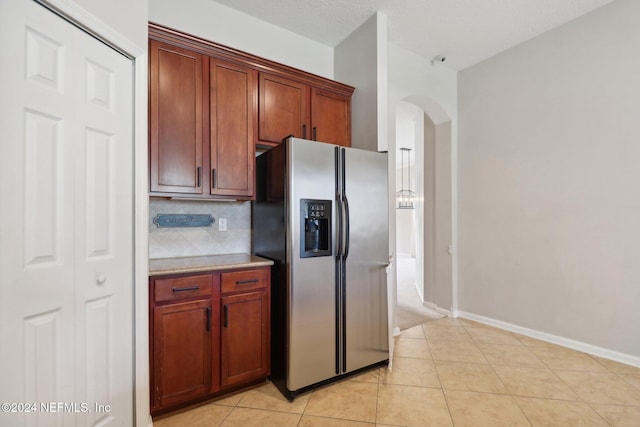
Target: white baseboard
{"type": "Point", "coordinates": [440, 310]}
{"type": "Point", "coordinates": [627, 359]}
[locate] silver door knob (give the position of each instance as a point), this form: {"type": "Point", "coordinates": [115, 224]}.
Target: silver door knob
{"type": "Point", "coordinates": [101, 279]}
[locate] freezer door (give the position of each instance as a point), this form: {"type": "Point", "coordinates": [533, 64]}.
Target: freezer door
{"type": "Point", "coordinates": [367, 256]}
{"type": "Point", "coordinates": [312, 288]}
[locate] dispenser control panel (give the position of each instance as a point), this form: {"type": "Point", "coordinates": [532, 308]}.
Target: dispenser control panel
{"type": "Point", "coordinates": [315, 228]}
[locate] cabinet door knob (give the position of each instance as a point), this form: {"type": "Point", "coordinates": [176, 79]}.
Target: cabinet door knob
{"type": "Point", "coordinates": [101, 279]}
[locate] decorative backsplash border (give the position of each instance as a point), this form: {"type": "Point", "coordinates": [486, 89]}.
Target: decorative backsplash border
{"type": "Point", "coordinates": [167, 242]}
{"type": "Point", "coordinates": [183, 220]}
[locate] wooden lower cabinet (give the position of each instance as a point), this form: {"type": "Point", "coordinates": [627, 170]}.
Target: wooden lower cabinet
{"type": "Point", "coordinates": [181, 375]}
{"type": "Point", "coordinates": [245, 329]}
{"type": "Point", "coordinates": [209, 334]}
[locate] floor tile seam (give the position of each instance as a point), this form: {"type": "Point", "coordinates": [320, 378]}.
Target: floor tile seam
{"type": "Point", "coordinates": [462, 361]}
{"type": "Point", "coordinates": [579, 400]}
{"type": "Point", "coordinates": [411, 385]}
{"type": "Point", "coordinates": [333, 418]}
{"type": "Point", "coordinates": [593, 357]}
{"type": "Point", "coordinates": [446, 401]}
{"type": "Point", "coordinates": [227, 416]}
{"type": "Point", "coordinates": [377, 402]}
{"type": "Point", "coordinates": [278, 411]}
{"type": "Point", "coordinates": [556, 376]}
{"type": "Point", "coordinates": [511, 365]}
{"type": "Point", "coordinates": [412, 338]}
{"type": "Point", "coordinates": [466, 390]}
{"type": "Point", "coordinates": [513, 399]}
{"type": "Point", "coordinates": [492, 342]}
{"type": "Point", "coordinates": [413, 358]}
{"type": "Point", "coordinates": [469, 339]}
{"type": "Point", "coordinates": [446, 329]}
{"type": "Point", "coordinates": [506, 364]}
{"type": "Point", "coordinates": [496, 374]}
{"type": "Point", "coordinates": [570, 401]}
{"type": "Point", "coordinates": [514, 335]}
{"type": "Point", "coordinates": [336, 418]}
{"type": "Point", "coordinates": [492, 329]}
{"type": "Point", "coordinates": [625, 405]}
{"type": "Point", "coordinates": [339, 418]}
{"type": "Point", "coordinates": [585, 371]}
{"type": "Point", "coordinates": [597, 412]}
{"type": "Point", "coordinates": [521, 410]}
{"type": "Point", "coordinates": [626, 380]}
{"type": "Point", "coordinates": [273, 409]}
{"type": "Point", "coordinates": [591, 372]}
{"type": "Point", "coordinates": [477, 347]}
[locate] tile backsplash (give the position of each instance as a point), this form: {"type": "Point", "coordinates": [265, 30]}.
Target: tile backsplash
{"type": "Point", "coordinates": [166, 242]}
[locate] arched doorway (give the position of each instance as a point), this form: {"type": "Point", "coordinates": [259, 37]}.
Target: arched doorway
{"type": "Point", "coordinates": [424, 234]}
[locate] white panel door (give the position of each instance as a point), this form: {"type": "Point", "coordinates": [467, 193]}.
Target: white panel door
{"type": "Point", "coordinates": [66, 223]}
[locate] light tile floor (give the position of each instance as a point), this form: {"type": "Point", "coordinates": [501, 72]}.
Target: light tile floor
{"type": "Point", "coordinates": [449, 372]}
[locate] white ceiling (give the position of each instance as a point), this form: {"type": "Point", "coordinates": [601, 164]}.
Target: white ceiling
{"type": "Point", "coordinates": [464, 31]}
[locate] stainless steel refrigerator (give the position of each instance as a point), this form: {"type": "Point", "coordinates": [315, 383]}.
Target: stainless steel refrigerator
{"type": "Point", "coordinates": [321, 214]}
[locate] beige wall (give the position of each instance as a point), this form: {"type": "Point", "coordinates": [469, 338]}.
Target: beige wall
{"type": "Point", "coordinates": [221, 24]}
{"type": "Point", "coordinates": [549, 183]}
{"type": "Point", "coordinates": [357, 62]}
{"type": "Point", "coordinates": [127, 17]}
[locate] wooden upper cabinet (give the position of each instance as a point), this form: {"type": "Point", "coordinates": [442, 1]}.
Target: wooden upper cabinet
{"type": "Point", "coordinates": [283, 109]}
{"type": "Point", "coordinates": [210, 105]}
{"type": "Point", "coordinates": [330, 117]}
{"type": "Point", "coordinates": [175, 119]}
{"type": "Point", "coordinates": [233, 101]}
{"type": "Point", "coordinates": [287, 107]}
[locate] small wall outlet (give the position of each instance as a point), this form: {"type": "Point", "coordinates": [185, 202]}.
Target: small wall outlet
{"type": "Point", "coordinates": [222, 224]}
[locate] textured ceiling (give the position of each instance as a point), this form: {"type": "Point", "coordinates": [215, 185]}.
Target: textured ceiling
{"type": "Point", "coordinates": [464, 31]}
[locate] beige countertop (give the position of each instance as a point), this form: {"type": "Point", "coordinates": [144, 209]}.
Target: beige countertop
{"type": "Point", "coordinates": [205, 263]}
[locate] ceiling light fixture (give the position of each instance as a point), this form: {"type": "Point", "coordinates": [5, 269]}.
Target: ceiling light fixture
{"type": "Point", "coordinates": [406, 198]}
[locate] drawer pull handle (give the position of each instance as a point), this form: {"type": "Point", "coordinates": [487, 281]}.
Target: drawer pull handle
{"type": "Point", "coordinates": [246, 282]}
{"type": "Point", "coordinates": [188, 288]}
{"type": "Point", "coordinates": [225, 321]}
{"type": "Point", "coordinates": [208, 319]}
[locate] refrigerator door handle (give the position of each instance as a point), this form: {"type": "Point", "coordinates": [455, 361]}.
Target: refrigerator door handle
{"type": "Point", "coordinates": [346, 227]}
{"type": "Point", "coordinates": [338, 234]}
{"type": "Point", "coordinates": [338, 262]}
{"type": "Point", "coordinates": [345, 203]}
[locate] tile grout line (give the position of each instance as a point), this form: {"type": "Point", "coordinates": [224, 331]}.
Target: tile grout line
{"type": "Point", "coordinates": [435, 368]}
{"type": "Point", "coordinates": [511, 395]}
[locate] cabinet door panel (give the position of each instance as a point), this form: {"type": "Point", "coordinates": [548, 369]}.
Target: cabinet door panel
{"type": "Point", "coordinates": [232, 124]}
{"type": "Point", "coordinates": [245, 337]}
{"type": "Point", "coordinates": [330, 118]}
{"type": "Point", "coordinates": [182, 352]}
{"type": "Point", "coordinates": [283, 109]}
{"type": "Point", "coordinates": [175, 115]}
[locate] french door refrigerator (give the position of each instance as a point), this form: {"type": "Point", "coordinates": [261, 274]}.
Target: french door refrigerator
{"type": "Point", "coordinates": [321, 214]}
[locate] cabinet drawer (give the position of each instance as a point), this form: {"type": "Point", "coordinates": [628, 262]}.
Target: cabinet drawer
{"type": "Point", "coordinates": [237, 281]}
{"type": "Point", "coordinates": [183, 287]}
